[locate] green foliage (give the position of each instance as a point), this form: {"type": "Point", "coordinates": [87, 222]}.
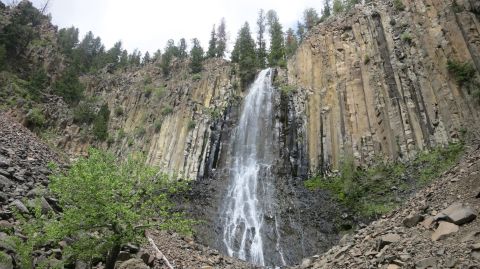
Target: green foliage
{"type": "Point", "coordinates": [35, 118]}
{"type": "Point", "coordinates": [398, 5]}
{"type": "Point", "coordinates": [372, 191]}
{"type": "Point", "coordinates": [84, 112]}
{"type": "Point", "coordinates": [69, 87]}
{"type": "Point", "coordinates": [310, 18]}
{"type": "Point", "coordinates": [157, 125]}
{"type": "Point", "coordinates": [464, 72]}
{"type": "Point", "coordinates": [191, 125]}
{"type": "Point", "coordinates": [338, 6]}
{"type": "Point", "coordinates": [167, 110]}
{"type": "Point", "coordinates": [106, 204]}
{"type": "Point", "coordinates": [196, 57]}
{"type": "Point", "coordinates": [277, 44]}
{"type": "Point", "coordinates": [140, 132]}
{"type": "Point", "coordinates": [196, 77]}
{"type": "Point", "coordinates": [406, 37]}
{"type": "Point", "coordinates": [291, 43]}
{"type": "Point", "coordinates": [100, 125]}
{"type": "Point", "coordinates": [68, 40]}
{"type": "Point", "coordinates": [366, 59]}
{"type": "Point", "coordinates": [287, 89]}
{"type": "Point", "coordinates": [118, 111]}
{"type": "Point", "coordinates": [3, 56]}
{"type": "Point", "coordinates": [37, 82]}
{"type": "Point", "coordinates": [221, 45]}
{"type": "Point", "coordinates": [212, 44]}
{"type": "Point", "coordinates": [245, 55]}
{"type": "Point", "coordinates": [261, 43]}
{"type": "Point", "coordinates": [121, 135]}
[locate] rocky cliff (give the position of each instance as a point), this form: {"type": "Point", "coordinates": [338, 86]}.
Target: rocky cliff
{"type": "Point", "coordinates": [375, 81]}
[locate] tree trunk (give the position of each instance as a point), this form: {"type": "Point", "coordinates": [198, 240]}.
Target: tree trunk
{"type": "Point", "coordinates": [112, 257]}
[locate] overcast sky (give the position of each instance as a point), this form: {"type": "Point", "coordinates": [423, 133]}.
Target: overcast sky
{"type": "Point", "coordinates": [148, 24]}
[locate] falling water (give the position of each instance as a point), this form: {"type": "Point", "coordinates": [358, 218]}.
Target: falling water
{"type": "Point", "coordinates": [248, 200]}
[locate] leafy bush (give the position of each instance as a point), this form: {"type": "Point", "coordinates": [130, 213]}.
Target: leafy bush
{"type": "Point", "coordinates": [191, 125]}
{"type": "Point", "coordinates": [157, 125]}
{"type": "Point", "coordinates": [35, 118]}
{"type": "Point", "coordinates": [69, 87]}
{"type": "Point", "coordinates": [167, 110]}
{"type": "Point", "coordinates": [118, 111]}
{"type": "Point", "coordinates": [287, 89]}
{"type": "Point", "coordinates": [84, 112]}
{"type": "Point", "coordinates": [100, 125]}
{"type": "Point", "coordinates": [196, 77]}
{"type": "Point", "coordinates": [3, 57]}
{"type": "Point", "coordinates": [140, 132]}
{"type": "Point", "coordinates": [398, 5]}
{"type": "Point", "coordinates": [406, 37]}
{"type": "Point", "coordinates": [106, 204]}
{"type": "Point", "coordinates": [372, 191]}
{"type": "Point", "coordinates": [464, 72]}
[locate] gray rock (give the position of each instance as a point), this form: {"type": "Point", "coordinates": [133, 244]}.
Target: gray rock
{"type": "Point", "coordinates": [3, 197]}
{"type": "Point", "coordinates": [124, 256]}
{"type": "Point", "coordinates": [20, 206]}
{"type": "Point", "coordinates": [306, 263]}
{"type": "Point", "coordinates": [45, 205]}
{"type": "Point", "coordinates": [444, 229]}
{"type": "Point", "coordinates": [412, 220]}
{"type": "Point", "coordinates": [147, 258]}
{"type": "Point", "coordinates": [387, 240]}
{"type": "Point", "coordinates": [4, 162]}
{"type": "Point", "coordinates": [462, 215]}
{"type": "Point", "coordinates": [476, 254]}
{"type": "Point", "coordinates": [4, 173]}
{"type": "Point", "coordinates": [80, 265]}
{"type": "Point", "coordinates": [426, 263]}
{"type": "Point", "coordinates": [133, 264]}
{"type": "Point", "coordinates": [5, 182]}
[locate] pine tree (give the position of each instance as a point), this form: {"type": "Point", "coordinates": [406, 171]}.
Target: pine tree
{"type": "Point", "coordinates": [146, 58]}
{"type": "Point", "coordinates": [157, 56]}
{"type": "Point", "coordinates": [300, 31]}
{"type": "Point", "coordinates": [291, 43]}
{"type": "Point", "coordinates": [261, 44]}
{"type": "Point", "coordinates": [212, 44]}
{"type": "Point", "coordinates": [310, 18]}
{"type": "Point", "coordinates": [245, 55]}
{"type": "Point", "coordinates": [276, 56]}
{"type": "Point", "coordinates": [196, 56]}
{"type": "Point", "coordinates": [113, 54]}
{"type": "Point", "coordinates": [327, 11]}
{"type": "Point", "coordinates": [338, 6]}
{"type": "Point", "coordinates": [182, 49]}
{"type": "Point", "coordinates": [221, 39]}
{"type": "Point", "coordinates": [68, 40]}
{"type": "Point", "coordinates": [124, 59]}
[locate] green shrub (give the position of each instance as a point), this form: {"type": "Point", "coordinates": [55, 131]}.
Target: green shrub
{"type": "Point", "coordinates": [464, 72]}
{"type": "Point", "coordinates": [406, 37]}
{"type": "Point", "coordinates": [157, 125]}
{"type": "Point", "coordinates": [106, 204]}
{"type": "Point", "coordinates": [191, 125]}
{"type": "Point", "coordinates": [3, 57]}
{"type": "Point", "coordinates": [120, 134]}
{"type": "Point", "coordinates": [196, 77]}
{"type": "Point", "coordinates": [148, 91]}
{"type": "Point", "coordinates": [167, 110]}
{"type": "Point", "coordinates": [372, 191]}
{"type": "Point", "coordinates": [148, 80]}
{"type": "Point", "coordinates": [100, 125]}
{"type": "Point", "coordinates": [287, 89]}
{"type": "Point", "coordinates": [398, 5]}
{"type": "Point", "coordinates": [84, 112]}
{"type": "Point", "coordinates": [140, 132]}
{"type": "Point", "coordinates": [35, 118]}
{"type": "Point", "coordinates": [366, 60]}
{"type": "Point", "coordinates": [159, 92]}
{"type": "Point", "coordinates": [118, 111]}
{"type": "Point", "coordinates": [69, 87]}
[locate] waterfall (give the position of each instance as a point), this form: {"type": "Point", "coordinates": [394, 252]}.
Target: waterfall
{"type": "Point", "coordinates": [248, 201]}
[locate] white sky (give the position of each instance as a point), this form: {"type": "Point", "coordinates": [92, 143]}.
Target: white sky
{"type": "Point", "coordinates": [148, 24]}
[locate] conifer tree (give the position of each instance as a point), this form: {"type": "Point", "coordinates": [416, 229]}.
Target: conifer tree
{"type": "Point", "coordinates": [182, 49]}
{"type": "Point", "coordinates": [212, 44]}
{"type": "Point", "coordinates": [146, 58]}
{"type": "Point", "coordinates": [327, 11]}
{"type": "Point", "coordinates": [291, 43]}
{"type": "Point", "coordinates": [338, 6]}
{"type": "Point", "coordinates": [157, 55]}
{"type": "Point", "coordinates": [276, 55]}
{"type": "Point", "coordinates": [196, 56]}
{"type": "Point", "coordinates": [310, 18]}
{"type": "Point", "coordinates": [261, 44]}
{"type": "Point", "coordinates": [245, 55]}
{"type": "Point", "coordinates": [221, 39]}
{"type": "Point", "coordinates": [300, 31]}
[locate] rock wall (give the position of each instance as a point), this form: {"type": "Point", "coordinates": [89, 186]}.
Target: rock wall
{"type": "Point", "coordinates": [173, 120]}
{"type": "Point", "coordinates": [376, 80]}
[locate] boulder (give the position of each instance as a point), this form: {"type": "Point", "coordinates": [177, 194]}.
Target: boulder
{"type": "Point", "coordinates": [5, 182]}
{"type": "Point", "coordinates": [4, 162]}
{"type": "Point", "coordinates": [20, 206]}
{"type": "Point", "coordinates": [6, 261]}
{"type": "Point", "coordinates": [387, 240]}
{"type": "Point", "coordinates": [306, 263]}
{"type": "Point", "coordinates": [426, 263]}
{"type": "Point", "coordinates": [444, 229]}
{"type": "Point", "coordinates": [133, 264]}
{"type": "Point", "coordinates": [412, 220]}
{"type": "Point", "coordinates": [457, 213]}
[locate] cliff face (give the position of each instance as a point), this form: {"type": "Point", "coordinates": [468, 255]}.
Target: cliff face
{"type": "Point", "coordinates": [375, 81]}
{"type": "Point", "coordinates": [173, 120]}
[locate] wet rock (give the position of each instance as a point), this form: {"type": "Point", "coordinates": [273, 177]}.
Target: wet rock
{"type": "Point", "coordinates": [133, 264]}
{"type": "Point", "coordinates": [426, 263]}
{"type": "Point", "coordinates": [20, 206]}
{"type": "Point", "coordinates": [444, 229]}
{"type": "Point", "coordinates": [412, 220]}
